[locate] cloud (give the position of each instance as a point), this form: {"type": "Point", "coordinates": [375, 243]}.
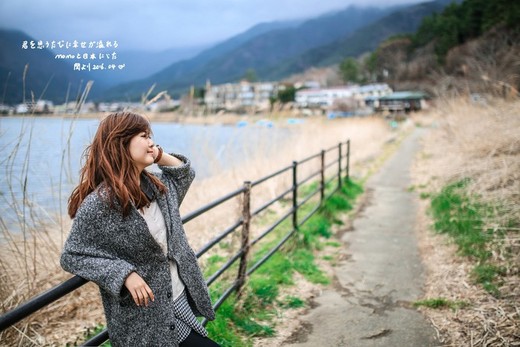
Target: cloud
{"type": "Point", "coordinates": [157, 24]}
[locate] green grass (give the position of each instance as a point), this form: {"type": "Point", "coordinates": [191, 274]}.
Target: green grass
{"type": "Point", "coordinates": [308, 189]}
{"type": "Point", "coordinates": [303, 262]}
{"type": "Point", "coordinates": [424, 195]}
{"type": "Point", "coordinates": [462, 218]}
{"type": "Point", "coordinates": [439, 303]}
{"type": "Point", "coordinates": [250, 315]}
{"type": "Point", "coordinates": [91, 332]}
{"type": "Point", "coordinates": [292, 302]}
{"type": "Point", "coordinates": [213, 263]}
{"type": "Point", "coordinates": [222, 330]}
{"type": "Point", "coordinates": [488, 276]}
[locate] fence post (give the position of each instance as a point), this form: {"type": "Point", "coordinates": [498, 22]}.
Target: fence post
{"type": "Point", "coordinates": [246, 217]}
{"type": "Point", "coordinates": [339, 166]}
{"type": "Point", "coordinates": [322, 187]}
{"type": "Point", "coordinates": [348, 159]}
{"type": "Point", "coordinates": [295, 195]}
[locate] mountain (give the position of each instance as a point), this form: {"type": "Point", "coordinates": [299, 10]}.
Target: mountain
{"type": "Point", "coordinates": [189, 67]}
{"type": "Point", "coordinates": [273, 50]}
{"type": "Point", "coordinates": [403, 21]}
{"type": "Point", "coordinates": [141, 64]}
{"type": "Point", "coordinates": [258, 48]}
{"type": "Point", "coordinates": [240, 39]}
{"type": "Point", "coordinates": [65, 82]}
{"type": "Point", "coordinates": [45, 68]}
{"type": "Point", "coordinates": [268, 50]}
{"type": "Point", "coordinates": [46, 77]}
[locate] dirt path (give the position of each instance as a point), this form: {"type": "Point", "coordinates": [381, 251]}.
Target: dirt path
{"type": "Point", "coordinates": [370, 303]}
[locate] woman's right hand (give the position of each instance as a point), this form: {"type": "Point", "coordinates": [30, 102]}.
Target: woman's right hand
{"type": "Point", "coordinates": [139, 290]}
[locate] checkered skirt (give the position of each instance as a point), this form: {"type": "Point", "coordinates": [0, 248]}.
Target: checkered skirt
{"type": "Point", "coordinates": [185, 319]}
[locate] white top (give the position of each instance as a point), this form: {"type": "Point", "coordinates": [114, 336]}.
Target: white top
{"type": "Point", "coordinates": [155, 221]}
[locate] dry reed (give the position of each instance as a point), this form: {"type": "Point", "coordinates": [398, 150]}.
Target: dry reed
{"type": "Point", "coordinates": [480, 141]}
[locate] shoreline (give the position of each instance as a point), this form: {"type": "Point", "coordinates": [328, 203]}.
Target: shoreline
{"type": "Point", "coordinates": [230, 119]}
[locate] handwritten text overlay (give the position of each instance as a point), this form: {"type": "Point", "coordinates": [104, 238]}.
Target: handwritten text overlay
{"type": "Point", "coordinates": [88, 55]}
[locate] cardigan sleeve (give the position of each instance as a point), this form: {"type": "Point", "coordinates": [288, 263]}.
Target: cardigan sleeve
{"type": "Point", "coordinates": [88, 254]}
{"type": "Point", "coordinates": [178, 177]}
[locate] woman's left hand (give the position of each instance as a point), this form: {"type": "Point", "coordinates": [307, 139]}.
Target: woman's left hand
{"type": "Point", "coordinates": [139, 289]}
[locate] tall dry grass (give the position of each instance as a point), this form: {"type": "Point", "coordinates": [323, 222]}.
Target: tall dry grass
{"type": "Point", "coordinates": [29, 262]}
{"type": "Point", "coordinates": [368, 136]}
{"type": "Point", "coordinates": [479, 141]}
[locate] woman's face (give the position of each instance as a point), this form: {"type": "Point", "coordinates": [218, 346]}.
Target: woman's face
{"type": "Point", "coordinates": [141, 150]}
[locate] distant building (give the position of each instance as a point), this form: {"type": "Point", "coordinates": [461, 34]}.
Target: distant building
{"type": "Point", "coordinates": [404, 101]}
{"type": "Point", "coordinates": [321, 97]}
{"type": "Point", "coordinates": [372, 91]}
{"type": "Point", "coordinates": [328, 98]}
{"type": "Point", "coordinates": [43, 106]}
{"type": "Point", "coordinates": [164, 105]}
{"type": "Point", "coordinates": [110, 107]}
{"type": "Point", "coordinates": [21, 109]}
{"type": "Point", "coordinates": [38, 107]}
{"type": "Point", "coordinates": [308, 85]}
{"type": "Point", "coordinates": [6, 109]}
{"type": "Point", "coordinates": [239, 96]}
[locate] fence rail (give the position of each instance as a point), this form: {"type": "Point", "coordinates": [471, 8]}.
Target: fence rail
{"type": "Point", "coordinates": [245, 269]}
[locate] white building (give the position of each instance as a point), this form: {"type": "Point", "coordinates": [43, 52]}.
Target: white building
{"type": "Point", "coordinates": [233, 96]}
{"type": "Point", "coordinates": [5, 109]}
{"type": "Point", "coordinates": [322, 97]}
{"type": "Point", "coordinates": [21, 109]}
{"type": "Point", "coordinates": [327, 97]}
{"type": "Point", "coordinates": [38, 107]}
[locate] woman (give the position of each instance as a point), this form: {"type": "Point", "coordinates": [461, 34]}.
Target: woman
{"type": "Point", "coordinates": [127, 237]}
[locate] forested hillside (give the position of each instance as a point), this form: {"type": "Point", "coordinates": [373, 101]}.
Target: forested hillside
{"type": "Point", "coordinates": [230, 60]}
{"type": "Point", "coordinates": [472, 46]}
{"type": "Point", "coordinates": [459, 23]}
{"type": "Point", "coordinates": [401, 21]}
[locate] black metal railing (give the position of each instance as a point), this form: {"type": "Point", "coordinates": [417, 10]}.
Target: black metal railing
{"type": "Point", "coordinates": [245, 269]}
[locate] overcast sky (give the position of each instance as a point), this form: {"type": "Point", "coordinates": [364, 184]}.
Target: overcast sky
{"type": "Point", "coordinates": [158, 24]}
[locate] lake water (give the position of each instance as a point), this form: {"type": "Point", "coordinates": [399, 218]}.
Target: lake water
{"type": "Point", "coordinates": [41, 156]}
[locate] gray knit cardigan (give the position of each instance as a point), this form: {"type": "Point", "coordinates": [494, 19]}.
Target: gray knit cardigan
{"type": "Point", "coordinates": [105, 247]}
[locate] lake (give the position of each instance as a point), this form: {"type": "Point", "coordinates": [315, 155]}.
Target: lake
{"type": "Point", "coordinates": [41, 156]}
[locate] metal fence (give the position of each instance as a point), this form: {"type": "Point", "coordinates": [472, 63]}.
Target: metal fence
{"type": "Point", "coordinates": [245, 267]}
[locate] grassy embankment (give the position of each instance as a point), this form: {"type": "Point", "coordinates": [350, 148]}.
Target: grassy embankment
{"type": "Point", "coordinates": [468, 177]}
{"type": "Point", "coordinates": [241, 319]}
{"type": "Point", "coordinates": [268, 296]}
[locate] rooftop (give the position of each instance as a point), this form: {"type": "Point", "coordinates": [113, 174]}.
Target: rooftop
{"type": "Point", "coordinates": [404, 95]}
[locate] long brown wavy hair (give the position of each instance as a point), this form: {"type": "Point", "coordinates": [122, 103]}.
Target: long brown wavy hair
{"type": "Point", "coordinates": [108, 161]}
